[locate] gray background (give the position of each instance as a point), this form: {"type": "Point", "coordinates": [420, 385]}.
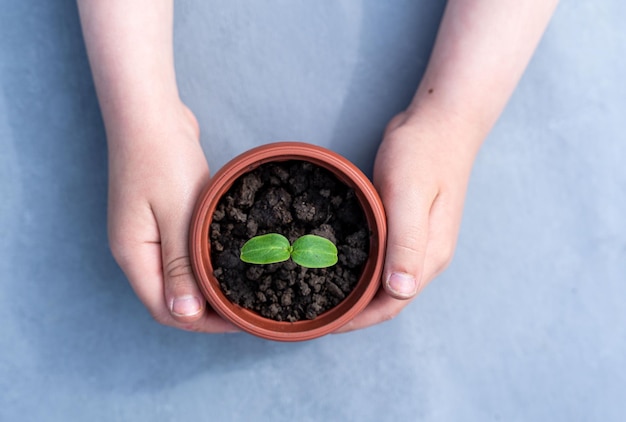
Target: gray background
{"type": "Point", "coordinates": [528, 323]}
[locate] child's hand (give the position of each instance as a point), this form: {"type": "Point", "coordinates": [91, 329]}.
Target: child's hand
{"type": "Point", "coordinates": [156, 174]}
{"type": "Point", "coordinates": [156, 165]}
{"type": "Point", "coordinates": [424, 161]}
{"type": "Point", "coordinates": [421, 175]}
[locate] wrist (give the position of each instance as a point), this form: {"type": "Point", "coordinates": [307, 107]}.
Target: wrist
{"type": "Point", "coordinates": [150, 122]}
{"type": "Point", "coordinates": [165, 145]}
{"type": "Point", "coordinates": [445, 127]}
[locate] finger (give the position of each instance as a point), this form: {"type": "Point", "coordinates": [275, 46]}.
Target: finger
{"type": "Point", "coordinates": [408, 212]}
{"type": "Point", "coordinates": [143, 268]}
{"type": "Point", "coordinates": [442, 230]}
{"type": "Point", "coordinates": [182, 295]}
{"type": "Point", "coordinates": [382, 308]}
{"type": "Point", "coordinates": [444, 222]}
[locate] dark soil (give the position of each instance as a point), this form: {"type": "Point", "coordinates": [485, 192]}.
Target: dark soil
{"type": "Point", "coordinates": [292, 198]}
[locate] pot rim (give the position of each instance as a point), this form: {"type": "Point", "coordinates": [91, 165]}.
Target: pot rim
{"type": "Point", "coordinates": [249, 321]}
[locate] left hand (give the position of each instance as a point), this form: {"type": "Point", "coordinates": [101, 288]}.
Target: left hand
{"type": "Point", "coordinates": [423, 164]}
{"type": "Point", "coordinates": [421, 173]}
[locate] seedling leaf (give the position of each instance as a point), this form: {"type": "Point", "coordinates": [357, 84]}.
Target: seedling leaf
{"type": "Point", "coordinates": [266, 249]}
{"type": "Point", "coordinates": [313, 251]}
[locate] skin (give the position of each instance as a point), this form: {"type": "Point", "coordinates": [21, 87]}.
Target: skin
{"type": "Point", "coordinates": [157, 167]}
{"type": "Point", "coordinates": [481, 51]}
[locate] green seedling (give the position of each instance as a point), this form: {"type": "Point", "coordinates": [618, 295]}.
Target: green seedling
{"type": "Point", "coordinates": [309, 251]}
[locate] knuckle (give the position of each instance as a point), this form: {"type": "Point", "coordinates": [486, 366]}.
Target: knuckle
{"type": "Point", "coordinates": [411, 245]}
{"type": "Point", "coordinates": [179, 274]}
{"type": "Point", "coordinates": [394, 191]}
{"type": "Point", "coordinates": [394, 123]}
{"type": "Point", "coordinates": [119, 249]}
{"type": "Point", "coordinates": [161, 317]}
{"type": "Point", "coordinates": [192, 327]}
{"type": "Point", "coordinates": [178, 267]}
{"type": "Point", "coordinates": [443, 256]}
{"type": "Point", "coordinates": [409, 251]}
{"type": "Point", "coordinates": [120, 244]}
{"type": "Point", "coordinates": [390, 314]}
{"type": "Point", "coordinates": [164, 318]}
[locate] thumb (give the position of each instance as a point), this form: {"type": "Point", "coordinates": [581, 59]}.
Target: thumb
{"type": "Point", "coordinates": [182, 295]}
{"type": "Point", "coordinates": [407, 240]}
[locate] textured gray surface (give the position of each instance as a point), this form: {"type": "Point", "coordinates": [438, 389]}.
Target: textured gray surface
{"type": "Point", "coordinates": [528, 323]}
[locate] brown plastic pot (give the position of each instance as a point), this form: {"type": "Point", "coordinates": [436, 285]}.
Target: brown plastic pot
{"type": "Point", "coordinates": [249, 321]}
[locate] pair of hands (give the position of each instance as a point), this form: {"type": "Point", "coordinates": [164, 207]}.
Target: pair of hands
{"type": "Point", "coordinates": [155, 181]}
{"type": "Point", "coordinates": [157, 167]}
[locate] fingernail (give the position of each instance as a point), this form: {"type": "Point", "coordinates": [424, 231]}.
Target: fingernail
{"type": "Point", "coordinates": [186, 306]}
{"type": "Point", "coordinates": [402, 285]}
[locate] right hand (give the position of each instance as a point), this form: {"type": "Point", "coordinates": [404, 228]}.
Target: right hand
{"type": "Point", "coordinates": [156, 172]}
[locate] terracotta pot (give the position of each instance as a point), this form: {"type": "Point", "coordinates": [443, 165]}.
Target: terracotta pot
{"type": "Point", "coordinates": [249, 321]}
